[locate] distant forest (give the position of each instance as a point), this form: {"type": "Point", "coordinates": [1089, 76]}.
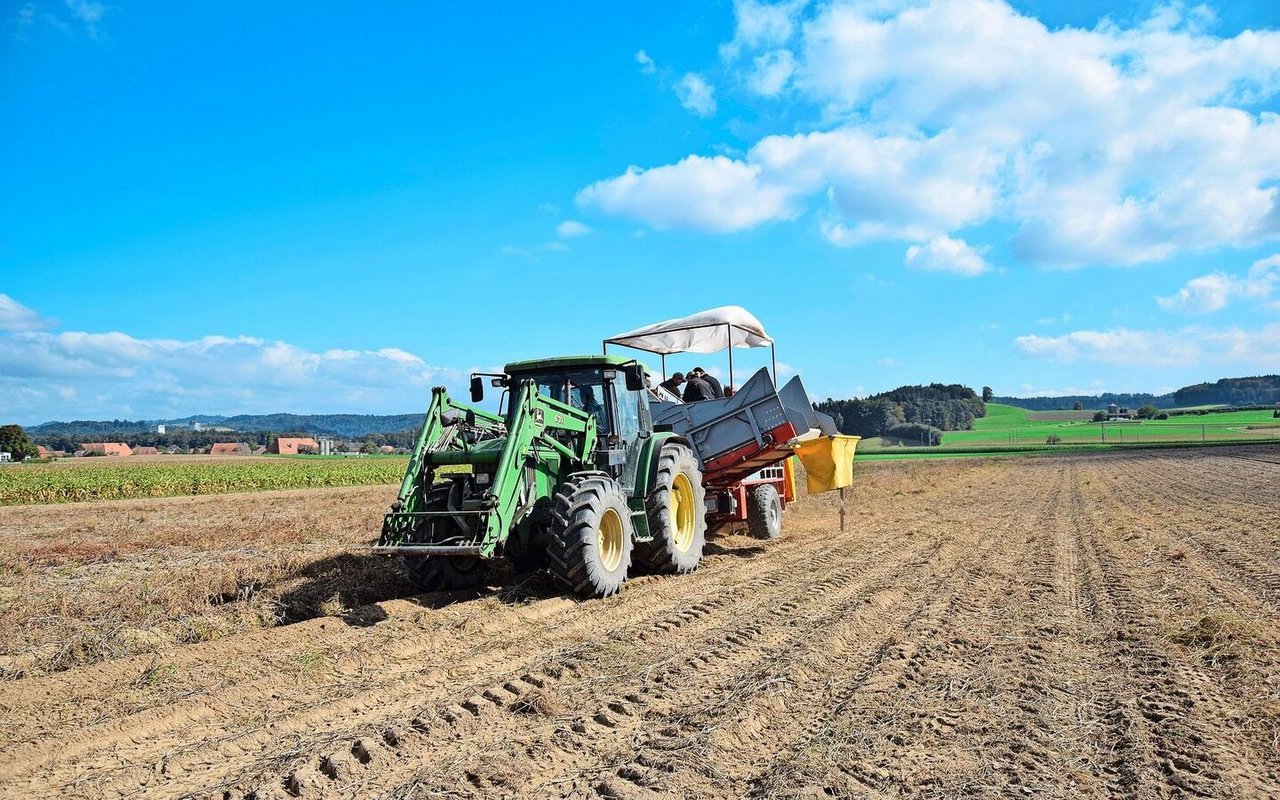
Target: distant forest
{"type": "Point", "coordinates": [1091, 402]}
{"type": "Point", "coordinates": [1259, 390]}
{"type": "Point", "coordinates": [946, 407]}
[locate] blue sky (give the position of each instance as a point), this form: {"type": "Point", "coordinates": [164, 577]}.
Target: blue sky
{"type": "Point", "coordinates": [248, 208]}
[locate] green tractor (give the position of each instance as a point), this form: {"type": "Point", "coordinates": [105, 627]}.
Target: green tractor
{"type": "Point", "coordinates": [574, 477]}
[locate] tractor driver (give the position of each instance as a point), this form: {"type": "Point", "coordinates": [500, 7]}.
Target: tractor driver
{"type": "Point", "coordinates": [587, 394]}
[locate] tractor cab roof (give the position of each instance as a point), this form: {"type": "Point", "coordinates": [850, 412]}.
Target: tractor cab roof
{"type": "Point", "coordinates": [566, 362]}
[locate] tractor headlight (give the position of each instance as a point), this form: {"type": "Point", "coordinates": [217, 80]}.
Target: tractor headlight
{"type": "Point", "coordinates": [483, 479]}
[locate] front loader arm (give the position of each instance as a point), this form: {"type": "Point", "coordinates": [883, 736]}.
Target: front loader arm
{"type": "Point", "coordinates": [532, 419]}
{"type": "Point", "coordinates": [440, 431]}
{"type": "Point", "coordinates": [528, 438]}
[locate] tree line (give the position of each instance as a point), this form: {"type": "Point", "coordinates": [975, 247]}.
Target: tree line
{"type": "Point", "coordinates": [1258, 390]}
{"type": "Point", "coordinates": [944, 407]}
{"type": "Point", "coordinates": [1089, 401]}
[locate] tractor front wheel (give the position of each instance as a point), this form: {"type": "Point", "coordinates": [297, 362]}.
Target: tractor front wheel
{"type": "Point", "coordinates": [589, 551]}
{"type": "Point", "coordinates": [442, 573]}
{"type": "Point", "coordinates": [677, 512]}
{"type": "Point", "coordinates": [445, 573]}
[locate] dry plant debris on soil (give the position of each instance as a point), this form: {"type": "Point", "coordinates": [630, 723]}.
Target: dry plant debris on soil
{"type": "Point", "coordinates": [1083, 626]}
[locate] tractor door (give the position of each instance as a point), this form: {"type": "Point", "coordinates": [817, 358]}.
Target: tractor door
{"type": "Point", "coordinates": [631, 416]}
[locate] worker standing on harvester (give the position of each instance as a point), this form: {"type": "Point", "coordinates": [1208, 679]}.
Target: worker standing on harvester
{"type": "Point", "coordinates": [672, 384]}
{"type": "Point", "coordinates": [697, 388]}
{"type": "Point", "coordinates": [716, 388]}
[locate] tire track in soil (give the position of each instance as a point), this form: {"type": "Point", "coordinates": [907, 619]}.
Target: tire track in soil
{"type": "Point", "coordinates": [1171, 719]}
{"type": "Point", "coordinates": [1217, 537]}
{"type": "Point", "coordinates": [1015, 648]}
{"type": "Point", "coordinates": [148, 747]}
{"type": "Point", "coordinates": [627, 760]}
{"type": "Point", "coordinates": [877, 660]}
{"type": "Point", "coordinates": [576, 683]}
{"type": "Point", "coordinates": [432, 613]}
{"type": "Point", "coordinates": [750, 715]}
{"type": "Point", "coordinates": [908, 731]}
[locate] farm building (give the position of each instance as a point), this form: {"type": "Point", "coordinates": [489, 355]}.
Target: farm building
{"type": "Point", "coordinates": [292, 446]}
{"type": "Point", "coordinates": [1117, 413]}
{"type": "Point", "coordinates": [43, 451]}
{"type": "Point", "coordinates": [146, 451]}
{"type": "Point", "coordinates": [229, 449]}
{"type": "Point", "coordinates": [386, 448]}
{"type": "Point", "coordinates": [107, 448]}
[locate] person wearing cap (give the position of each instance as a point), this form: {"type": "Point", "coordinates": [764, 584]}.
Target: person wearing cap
{"type": "Point", "coordinates": [716, 389]}
{"type": "Point", "coordinates": [672, 384]}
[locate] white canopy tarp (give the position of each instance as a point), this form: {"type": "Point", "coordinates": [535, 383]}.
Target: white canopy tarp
{"type": "Point", "coordinates": [705, 332]}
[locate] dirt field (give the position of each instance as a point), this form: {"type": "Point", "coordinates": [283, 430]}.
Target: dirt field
{"type": "Point", "coordinates": [1038, 627]}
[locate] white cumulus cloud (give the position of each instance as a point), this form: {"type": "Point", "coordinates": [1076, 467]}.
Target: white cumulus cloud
{"type": "Point", "coordinates": [771, 72]}
{"type": "Point", "coordinates": [696, 94]}
{"type": "Point", "coordinates": [761, 25]}
{"type": "Point", "coordinates": [1257, 349]}
{"type": "Point", "coordinates": [79, 374]}
{"type": "Point", "coordinates": [647, 65]}
{"type": "Point", "coordinates": [571, 229]}
{"type": "Point", "coordinates": [1112, 145]}
{"type": "Point", "coordinates": [716, 194]}
{"type": "Point", "coordinates": [1212, 292]}
{"type": "Point", "coordinates": [944, 254]}
{"type": "Point", "coordinates": [14, 316]}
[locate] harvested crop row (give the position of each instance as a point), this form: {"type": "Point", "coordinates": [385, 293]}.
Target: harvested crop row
{"type": "Point", "coordinates": [46, 483]}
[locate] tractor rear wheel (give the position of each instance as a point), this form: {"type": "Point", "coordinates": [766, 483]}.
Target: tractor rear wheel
{"type": "Point", "coordinates": [441, 573]}
{"type": "Point", "coordinates": [677, 513]}
{"type": "Point", "coordinates": [764, 512]}
{"type": "Point", "coordinates": [589, 551]}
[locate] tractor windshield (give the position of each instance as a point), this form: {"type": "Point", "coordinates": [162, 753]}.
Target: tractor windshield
{"type": "Point", "coordinates": [582, 389]}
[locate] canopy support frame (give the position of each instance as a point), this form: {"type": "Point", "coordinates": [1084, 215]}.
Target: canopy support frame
{"type": "Point", "coordinates": [729, 327]}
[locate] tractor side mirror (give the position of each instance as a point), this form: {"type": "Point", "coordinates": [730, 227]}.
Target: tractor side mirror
{"type": "Point", "coordinates": [635, 377]}
{"type": "Point", "coordinates": [477, 388]}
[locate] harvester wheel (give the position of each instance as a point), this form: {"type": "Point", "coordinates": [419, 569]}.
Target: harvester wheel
{"type": "Point", "coordinates": [589, 551]}
{"type": "Point", "coordinates": [441, 573]}
{"type": "Point", "coordinates": [677, 511]}
{"type": "Point", "coordinates": [764, 512]}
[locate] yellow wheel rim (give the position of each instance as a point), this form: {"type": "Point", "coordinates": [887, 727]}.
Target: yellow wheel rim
{"type": "Point", "coordinates": [682, 513]}
{"type": "Point", "coordinates": [609, 542]}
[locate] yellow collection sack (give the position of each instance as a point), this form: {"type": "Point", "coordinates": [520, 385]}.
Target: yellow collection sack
{"type": "Point", "coordinates": [829, 461]}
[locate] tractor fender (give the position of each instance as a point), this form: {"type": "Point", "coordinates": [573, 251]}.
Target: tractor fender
{"type": "Point", "coordinates": [648, 466]}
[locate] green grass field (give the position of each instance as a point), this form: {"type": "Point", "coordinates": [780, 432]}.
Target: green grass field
{"type": "Point", "coordinates": [1012, 428]}
{"type": "Point", "coordinates": [122, 479]}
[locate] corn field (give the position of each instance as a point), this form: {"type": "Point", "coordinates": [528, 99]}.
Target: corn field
{"type": "Point", "coordinates": [43, 483]}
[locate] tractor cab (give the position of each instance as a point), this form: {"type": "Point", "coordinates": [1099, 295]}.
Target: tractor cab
{"type": "Point", "coordinates": [608, 387]}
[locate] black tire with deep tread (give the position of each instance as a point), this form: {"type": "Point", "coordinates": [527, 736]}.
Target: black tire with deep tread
{"type": "Point", "coordinates": [659, 554]}
{"type": "Point", "coordinates": [441, 573]}
{"type": "Point", "coordinates": [573, 557]}
{"type": "Point", "coordinates": [760, 522]}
